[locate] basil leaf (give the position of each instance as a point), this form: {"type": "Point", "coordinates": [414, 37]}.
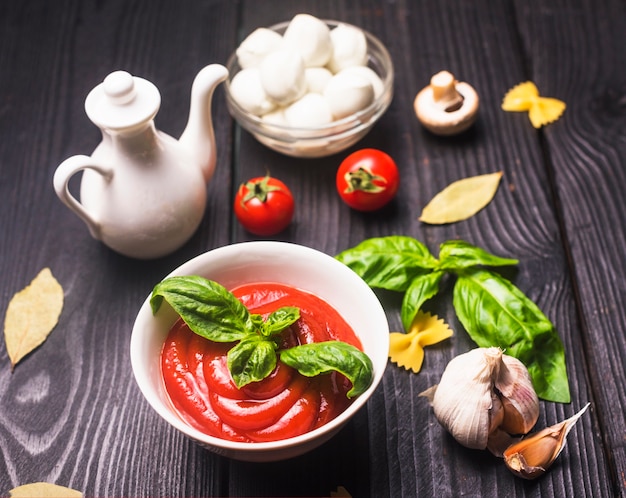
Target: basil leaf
{"type": "Point", "coordinates": [543, 355]}
{"type": "Point", "coordinates": [496, 313]}
{"type": "Point", "coordinates": [322, 357]}
{"type": "Point", "coordinates": [207, 308]}
{"type": "Point", "coordinates": [251, 360]}
{"type": "Point", "coordinates": [458, 254]}
{"type": "Point", "coordinates": [280, 319]}
{"type": "Point", "coordinates": [422, 288]}
{"type": "Point", "coordinates": [256, 322]}
{"type": "Point", "coordinates": [389, 262]}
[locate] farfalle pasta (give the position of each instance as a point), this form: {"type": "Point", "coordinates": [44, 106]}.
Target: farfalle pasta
{"type": "Point", "coordinates": [525, 98]}
{"type": "Point", "coordinates": [407, 350]}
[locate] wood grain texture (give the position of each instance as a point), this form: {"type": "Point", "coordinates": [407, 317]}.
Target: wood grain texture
{"type": "Point", "coordinates": [74, 414]}
{"type": "Point", "coordinates": [587, 153]}
{"type": "Point", "coordinates": [71, 412]}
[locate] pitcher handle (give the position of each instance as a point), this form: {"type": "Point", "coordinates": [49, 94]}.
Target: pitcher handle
{"type": "Point", "coordinates": [62, 175]}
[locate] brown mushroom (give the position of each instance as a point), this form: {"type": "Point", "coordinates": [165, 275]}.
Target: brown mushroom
{"type": "Point", "coordinates": [446, 106]}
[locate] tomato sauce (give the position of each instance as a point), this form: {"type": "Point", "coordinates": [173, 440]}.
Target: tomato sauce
{"type": "Point", "coordinates": [283, 405]}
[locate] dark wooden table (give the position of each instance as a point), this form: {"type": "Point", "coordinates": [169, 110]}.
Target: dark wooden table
{"type": "Point", "coordinates": [71, 413]}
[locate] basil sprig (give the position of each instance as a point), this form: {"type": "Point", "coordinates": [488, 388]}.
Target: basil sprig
{"type": "Point", "coordinates": [214, 313]}
{"type": "Point", "coordinates": [491, 308]}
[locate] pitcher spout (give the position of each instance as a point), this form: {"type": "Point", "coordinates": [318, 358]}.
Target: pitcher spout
{"type": "Point", "coordinates": [198, 138]}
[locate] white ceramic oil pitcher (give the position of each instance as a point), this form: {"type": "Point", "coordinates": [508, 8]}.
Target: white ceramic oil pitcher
{"type": "Point", "coordinates": [142, 192]}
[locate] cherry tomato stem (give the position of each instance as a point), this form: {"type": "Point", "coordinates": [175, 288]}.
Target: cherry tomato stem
{"type": "Point", "coordinates": [363, 179]}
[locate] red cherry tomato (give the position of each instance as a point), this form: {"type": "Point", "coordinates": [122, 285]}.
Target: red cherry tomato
{"type": "Point", "coordinates": [264, 205]}
{"type": "Point", "coordinates": [367, 179]}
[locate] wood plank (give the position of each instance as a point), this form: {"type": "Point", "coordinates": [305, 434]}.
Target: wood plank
{"type": "Point", "coordinates": [409, 453]}
{"type": "Point", "coordinates": [477, 42]}
{"type": "Point", "coordinates": [580, 58]}
{"type": "Point", "coordinates": [72, 413]}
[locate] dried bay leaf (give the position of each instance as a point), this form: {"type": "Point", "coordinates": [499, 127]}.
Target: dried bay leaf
{"type": "Point", "coordinates": [43, 490]}
{"type": "Point", "coordinates": [461, 199]}
{"type": "Point", "coordinates": [31, 315]}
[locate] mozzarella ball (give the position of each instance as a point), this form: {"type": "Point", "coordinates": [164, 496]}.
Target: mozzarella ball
{"type": "Point", "coordinates": [277, 117]}
{"type": "Point", "coordinates": [310, 110]}
{"type": "Point", "coordinates": [311, 37]}
{"type": "Point", "coordinates": [317, 78]}
{"type": "Point", "coordinates": [256, 46]}
{"type": "Point", "coordinates": [349, 48]}
{"type": "Point", "coordinates": [347, 94]}
{"type": "Point", "coordinates": [369, 74]}
{"type": "Point", "coordinates": [246, 89]}
{"type": "Point", "coordinates": [282, 76]}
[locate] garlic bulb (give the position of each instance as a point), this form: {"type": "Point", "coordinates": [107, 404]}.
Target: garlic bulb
{"type": "Point", "coordinates": [484, 399]}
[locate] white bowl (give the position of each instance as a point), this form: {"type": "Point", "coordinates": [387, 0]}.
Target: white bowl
{"type": "Point", "coordinates": [323, 140]}
{"type": "Point", "coordinates": [259, 261]}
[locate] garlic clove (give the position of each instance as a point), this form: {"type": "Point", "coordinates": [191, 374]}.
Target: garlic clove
{"type": "Point", "coordinates": [497, 413]}
{"type": "Point", "coordinates": [468, 418]}
{"type": "Point", "coordinates": [533, 455]}
{"type": "Point", "coordinates": [518, 419]}
{"type": "Point", "coordinates": [519, 399]}
{"type": "Point", "coordinates": [499, 441]}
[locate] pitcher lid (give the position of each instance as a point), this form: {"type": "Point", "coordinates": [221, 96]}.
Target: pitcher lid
{"type": "Point", "coordinates": [122, 101]}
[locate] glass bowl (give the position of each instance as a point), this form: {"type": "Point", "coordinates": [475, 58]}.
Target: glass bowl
{"type": "Point", "coordinates": [323, 140]}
